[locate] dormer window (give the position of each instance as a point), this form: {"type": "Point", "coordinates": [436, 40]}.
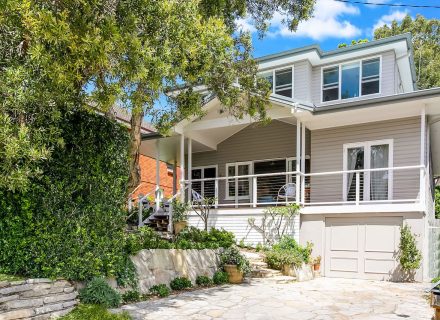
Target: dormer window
{"type": "Point", "coordinates": [281, 81]}
{"type": "Point", "coordinates": [351, 80]}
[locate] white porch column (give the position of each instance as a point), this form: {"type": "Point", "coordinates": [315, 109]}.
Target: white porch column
{"type": "Point", "coordinates": [182, 167]}
{"type": "Point", "coordinates": [298, 178]}
{"type": "Point", "coordinates": [189, 167]}
{"type": "Point", "coordinates": [157, 196]}
{"type": "Point", "coordinates": [174, 177]}
{"type": "Point", "coordinates": [303, 163]}
{"type": "Point", "coordinates": [422, 195]}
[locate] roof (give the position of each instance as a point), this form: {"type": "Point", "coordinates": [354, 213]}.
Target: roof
{"type": "Point", "coordinates": [124, 115]}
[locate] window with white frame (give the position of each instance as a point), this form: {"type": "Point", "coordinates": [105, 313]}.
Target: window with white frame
{"type": "Point", "coordinates": [281, 81]}
{"type": "Point", "coordinates": [239, 187]}
{"type": "Point", "coordinates": [373, 185]}
{"type": "Point", "coordinates": [351, 80]}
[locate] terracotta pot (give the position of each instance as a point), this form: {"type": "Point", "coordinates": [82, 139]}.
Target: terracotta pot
{"type": "Point", "coordinates": [316, 266]}
{"type": "Point", "coordinates": [179, 226]}
{"type": "Point", "coordinates": [235, 275]}
{"type": "Point", "coordinates": [288, 270]}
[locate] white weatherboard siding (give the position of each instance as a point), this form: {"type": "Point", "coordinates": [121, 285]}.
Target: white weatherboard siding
{"type": "Point", "coordinates": [236, 221]}
{"type": "Point", "coordinates": [327, 155]}
{"type": "Point", "coordinates": [302, 79]}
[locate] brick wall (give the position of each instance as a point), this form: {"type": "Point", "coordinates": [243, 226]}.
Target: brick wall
{"type": "Point", "coordinates": [148, 177]}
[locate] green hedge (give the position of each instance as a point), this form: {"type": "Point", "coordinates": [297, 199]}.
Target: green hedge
{"type": "Point", "coordinates": [71, 223]}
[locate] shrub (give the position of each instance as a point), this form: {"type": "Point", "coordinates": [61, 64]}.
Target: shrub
{"type": "Point", "coordinates": [204, 281]}
{"type": "Point", "coordinates": [289, 244]}
{"type": "Point", "coordinates": [70, 223]}
{"type": "Point", "coordinates": [145, 238]}
{"type": "Point", "coordinates": [131, 296]}
{"type": "Point", "coordinates": [180, 210]}
{"type": "Point", "coordinates": [160, 290]}
{"type": "Point", "coordinates": [94, 312]}
{"type": "Point", "coordinates": [436, 279]}
{"type": "Point", "coordinates": [409, 255]}
{"type": "Point", "coordinates": [180, 283]}
{"type": "Point", "coordinates": [220, 277]}
{"type": "Point", "coordinates": [275, 259]}
{"type": "Point", "coordinates": [97, 291]}
{"type": "Point", "coordinates": [193, 238]}
{"type": "Point", "coordinates": [233, 256]}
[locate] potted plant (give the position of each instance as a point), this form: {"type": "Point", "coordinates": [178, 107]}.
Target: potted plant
{"type": "Point", "coordinates": [316, 263]}
{"type": "Point", "coordinates": [180, 215]}
{"type": "Point", "coordinates": [235, 264]}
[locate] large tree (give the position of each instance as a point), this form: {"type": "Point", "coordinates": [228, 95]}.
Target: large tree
{"type": "Point", "coordinates": [426, 45]}
{"type": "Point", "coordinates": [59, 55]}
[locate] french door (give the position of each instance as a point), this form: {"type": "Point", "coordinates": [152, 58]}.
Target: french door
{"type": "Point", "coordinates": [204, 188]}
{"type": "Point", "coordinates": [373, 185]}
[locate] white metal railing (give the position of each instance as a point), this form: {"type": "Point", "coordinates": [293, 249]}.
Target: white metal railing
{"type": "Point", "coordinates": [346, 187]}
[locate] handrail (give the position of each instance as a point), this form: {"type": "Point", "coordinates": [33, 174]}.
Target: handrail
{"type": "Point", "coordinates": [178, 193]}
{"type": "Point", "coordinates": [307, 174]}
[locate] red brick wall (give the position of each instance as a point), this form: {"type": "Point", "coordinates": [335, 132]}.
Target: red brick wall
{"type": "Point", "coordinates": [148, 177]}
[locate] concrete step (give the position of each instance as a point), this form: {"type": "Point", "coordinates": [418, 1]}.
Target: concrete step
{"type": "Point", "coordinates": [265, 273]}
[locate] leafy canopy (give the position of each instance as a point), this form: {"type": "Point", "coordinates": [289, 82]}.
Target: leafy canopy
{"type": "Point", "coordinates": [426, 45]}
{"type": "Point", "coordinates": [57, 55]}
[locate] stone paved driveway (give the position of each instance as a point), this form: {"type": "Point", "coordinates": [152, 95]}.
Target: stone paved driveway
{"type": "Point", "coordinates": [322, 298]}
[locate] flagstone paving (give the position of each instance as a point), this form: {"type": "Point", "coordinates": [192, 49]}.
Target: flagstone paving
{"type": "Point", "coordinates": [321, 299]}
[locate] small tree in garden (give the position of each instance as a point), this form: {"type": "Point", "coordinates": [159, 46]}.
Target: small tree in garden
{"type": "Point", "coordinates": [203, 208]}
{"type": "Point", "coordinates": [275, 222]}
{"type": "Point", "coordinates": [409, 255]}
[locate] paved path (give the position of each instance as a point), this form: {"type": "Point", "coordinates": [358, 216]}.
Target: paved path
{"type": "Point", "coordinates": [323, 298]}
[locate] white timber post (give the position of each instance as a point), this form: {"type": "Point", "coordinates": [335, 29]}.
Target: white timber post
{"type": "Point", "coordinates": [303, 164]}
{"type": "Point", "coordinates": [182, 167]}
{"type": "Point", "coordinates": [298, 178]}
{"type": "Point", "coordinates": [423, 177]}
{"type": "Point", "coordinates": [190, 168]}
{"type": "Point", "coordinates": [157, 196]}
{"type": "Point", "coordinates": [254, 192]}
{"type": "Point", "coordinates": [174, 177]}
{"type": "Point", "coordinates": [358, 188]}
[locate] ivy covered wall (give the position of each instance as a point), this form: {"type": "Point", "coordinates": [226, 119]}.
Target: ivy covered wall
{"type": "Point", "coordinates": [70, 223]}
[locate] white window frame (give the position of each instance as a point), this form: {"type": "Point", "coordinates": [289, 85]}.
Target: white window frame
{"type": "Point", "coordinates": [339, 65]}
{"type": "Point", "coordinates": [202, 168]}
{"type": "Point", "coordinates": [273, 71]}
{"type": "Point", "coordinates": [236, 164]}
{"type": "Point", "coordinates": [367, 163]}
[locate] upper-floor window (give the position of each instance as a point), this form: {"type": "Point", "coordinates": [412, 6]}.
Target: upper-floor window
{"type": "Point", "coordinates": [281, 81]}
{"type": "Point", "coordinates": [351, 80]}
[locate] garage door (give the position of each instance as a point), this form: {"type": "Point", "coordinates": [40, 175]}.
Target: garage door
{"type": "Point", "coordinates": [362, 248]}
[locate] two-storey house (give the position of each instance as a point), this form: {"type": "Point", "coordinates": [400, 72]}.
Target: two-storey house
{"type": "Point", "coordinates": [349, 142]}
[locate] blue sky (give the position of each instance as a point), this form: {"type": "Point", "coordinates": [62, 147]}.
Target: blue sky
{"type": "Point", "coordinates": [333, 23]}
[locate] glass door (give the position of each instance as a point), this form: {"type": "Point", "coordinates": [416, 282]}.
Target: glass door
{"type": "Point", "coordinates": [204, 188]}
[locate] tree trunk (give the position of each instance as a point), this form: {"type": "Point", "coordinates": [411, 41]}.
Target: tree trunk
{"type": "Point", "coordinates": [135, 143]}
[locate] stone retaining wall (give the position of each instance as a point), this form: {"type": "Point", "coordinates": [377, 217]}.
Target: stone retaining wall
{"type": "Point", "coordinates": [157, 266]}
{"type": "Point", "coordinates": [36, 299]}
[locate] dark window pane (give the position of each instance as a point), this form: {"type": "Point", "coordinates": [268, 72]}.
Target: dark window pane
{"type": "Point", "coordinates": [330, 94]}
{"type": "Point", "coordinates": [331, 75]}
{"type": "Point", "coordinates": [370, 87]}
{"type": "Point", "coordinates": [350, 81]}
{"type": "Point", "coordinates": [283, 82]}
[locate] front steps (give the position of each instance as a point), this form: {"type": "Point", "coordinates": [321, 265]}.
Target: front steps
{"type": "Point", "coordinates": [261, 270]}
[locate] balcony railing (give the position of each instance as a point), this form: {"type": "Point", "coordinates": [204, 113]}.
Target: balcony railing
{"type": "Point", "coordinates": [349, 187]}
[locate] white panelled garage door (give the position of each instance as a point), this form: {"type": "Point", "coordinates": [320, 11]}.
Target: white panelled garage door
{"type": "Point", "coordinates": [363, 248]}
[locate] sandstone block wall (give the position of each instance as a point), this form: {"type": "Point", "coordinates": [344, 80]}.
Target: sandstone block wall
{"type": "Point", "coordinates": [36, 299]}
{"type": "Point", "coordinates": [157, 266]}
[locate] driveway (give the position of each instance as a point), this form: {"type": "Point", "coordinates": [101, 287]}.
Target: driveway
{"type": "Point", "coordinates": [322, 298]}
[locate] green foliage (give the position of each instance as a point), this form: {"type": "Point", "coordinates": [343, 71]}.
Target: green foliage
{"type": "Point", "coordinates": [180, 283]}
{"type": "Point", "coordinates": [204, 281]}
{"type": "Point", "coordinates": [353, 43]}
{"type": "Point", "coordinates": [146, 238]}
{"type": "Point", "coordinates": [409, 255]}
{"type": "Point", "coordinates": [160, 290]}
{"type": "Point", "coordinates": [97, 291]}
{"type": "Point", "coordinates": [426, 46]}
{"type": "Point", "coordinates": [287, 251]}
{"type": "Point", "coordinates": [180, 210]}
{"type": "Point", "coordinates": [437, 202]}
{"type": "Point", "coordinates": [220, 277]}
{"type": "Point", "coordinates": [193, 238]}
{"type": "Point", "coordinates": [94, 312]}
{"type": "Point", "coordinates": [8, 277]}
{"type": "Point", "coordinates": [126, 275]}
{"type": "Point", "coordinates": [233, 256]}
{"type": "Point", "coordinates": [131, 296]}
{"type": "Point", "coordinates": [436, 279]}
{"type": "Point", "coordinates": [71, 222]}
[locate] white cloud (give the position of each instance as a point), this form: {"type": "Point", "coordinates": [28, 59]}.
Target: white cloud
{"type": "Point", "coordinates": [388, 18]}
{"type": "Point", "coordinates": [327, 22]}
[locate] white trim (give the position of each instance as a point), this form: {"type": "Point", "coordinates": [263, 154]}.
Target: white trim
{"type": "Point", "coordinates": [236, 164]}
{"type": "Point", "coordinates": [189, 167]}
{"type": "Point", "coordinates": [182, 167]}
{"type": "Point", "coordinates": [367, 153]}
{"type": "Point", "coordinates": [339, 65]}
{"type": "Point", "coordinates": [273, 71]}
